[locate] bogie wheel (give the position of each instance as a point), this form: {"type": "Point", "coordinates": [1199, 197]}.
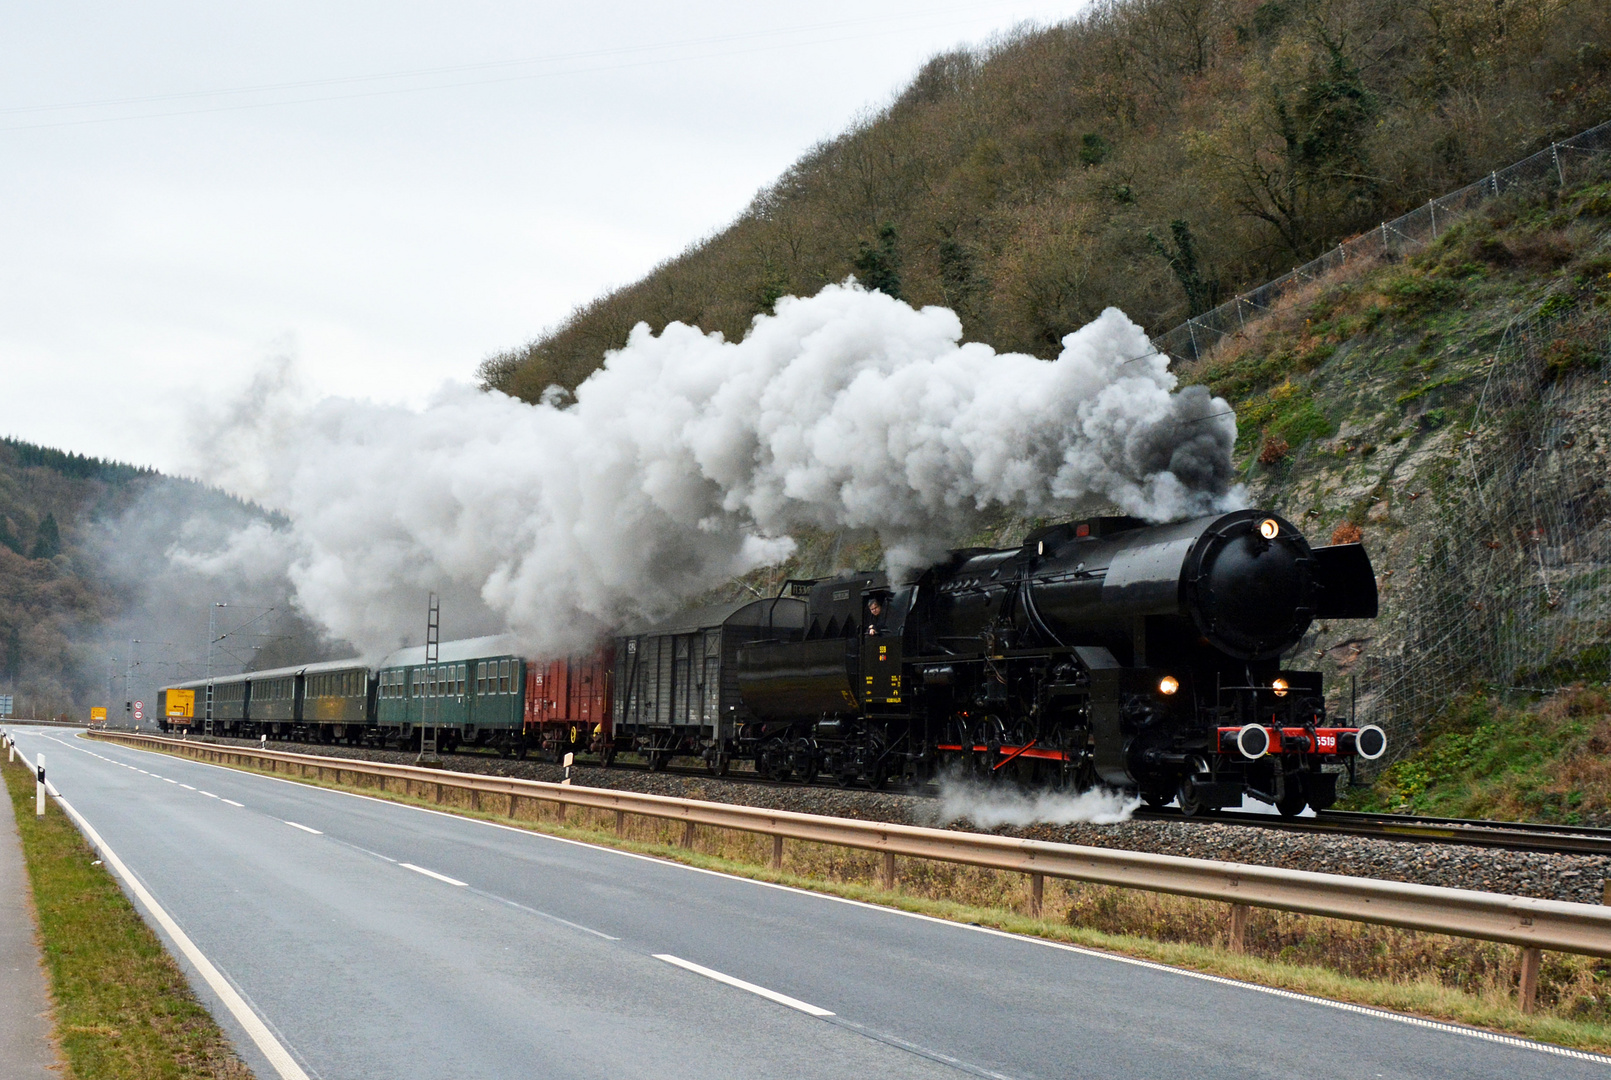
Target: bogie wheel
{"type": "Point", "coordinates": [658, 759]}
{"type": "Point", "coordinates": [1294, 800]}
{"type": "Point", "coordinates": [1191, 803]}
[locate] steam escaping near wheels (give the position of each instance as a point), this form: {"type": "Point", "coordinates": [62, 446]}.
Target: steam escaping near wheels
{"type": "Point", "coordinates": [687, 460]}
{"type": "Point", "coordinates": [991, 806]}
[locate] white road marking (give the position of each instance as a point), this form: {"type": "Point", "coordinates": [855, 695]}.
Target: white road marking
{"type": "Point", "coordinates": [304, 828]}
{"type": "Point", "coordinates": [434, 874]}
{"type": "Point", "coordinates": [770, 995]}
{"type": "Point", "coordinates": [166, 780]}
{"type": "Point", "coordinates": [209, 794]}
{"type": "Point", "coordinates": [232, 802]}
{"type": "Point", "coordinates": [187, 786]}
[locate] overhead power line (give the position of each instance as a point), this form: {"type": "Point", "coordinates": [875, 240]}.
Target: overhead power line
{"type": "Point", "coordinates": [625, 51]}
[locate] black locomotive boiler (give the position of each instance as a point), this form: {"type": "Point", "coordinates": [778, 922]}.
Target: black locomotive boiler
{"type": "Point", "coordinates": [1104, 651]}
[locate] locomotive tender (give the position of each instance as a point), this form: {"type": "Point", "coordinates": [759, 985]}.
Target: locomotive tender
{"type": "Point", "coordinates": [1103, 651]}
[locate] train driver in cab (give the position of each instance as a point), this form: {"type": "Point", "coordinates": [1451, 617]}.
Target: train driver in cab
{"type": "Point", "coordinates": [875, 616]}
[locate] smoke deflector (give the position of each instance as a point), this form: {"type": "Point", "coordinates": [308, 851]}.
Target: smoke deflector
{"type": "Point", "coordinates": [1347, 582]}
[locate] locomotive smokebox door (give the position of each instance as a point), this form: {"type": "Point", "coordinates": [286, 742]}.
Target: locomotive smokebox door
{"type": "Point", "coordinates": [880, 651]}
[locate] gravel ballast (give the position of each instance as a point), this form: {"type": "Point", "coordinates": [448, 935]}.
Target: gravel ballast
{"type": "Point", "coordinates": [1544, 875]}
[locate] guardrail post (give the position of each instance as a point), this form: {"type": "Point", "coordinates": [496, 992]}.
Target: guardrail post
{"type": "Point", "coordinates": [1527, 984]}
{"type": "Point", "coordinates": [777, 851]}
{"type": "Point", "coordinates": [889, 871]}
{"type": "Point", "coordinates": [439, 794]}
{"type": "Point", "coordinates": [1605, 891]}
{"type": "Point", "coordinates": [512, 798]}
{"type": "Point", "coordinates": [1037, 893]}
{"type": "Point", "coordinates": [39, 785]}
{"type": "Point", "coordinates": [620, 823]}
{"type": "Point", "coordinates": [1237, 942]}
{"type": "Point", "coordinates": [475, 799]}
{"type": "Point", "coordinates": [688, 834]}
{"type": "Point", "coordinates": [560, 814]}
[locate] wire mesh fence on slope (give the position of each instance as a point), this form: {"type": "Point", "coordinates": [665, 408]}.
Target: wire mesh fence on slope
{"type": "Point", "coordinates": [1555, 167]}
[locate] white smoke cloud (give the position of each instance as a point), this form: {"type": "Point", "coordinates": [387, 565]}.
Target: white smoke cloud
{"type": "Point", "coordinates": [993, 807]}
{"type": "Point", "coordinates": [687, 459]}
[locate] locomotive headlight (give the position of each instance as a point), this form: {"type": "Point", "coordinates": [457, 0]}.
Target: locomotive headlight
{"type": "Point", "coordinates": [1168, 685]}
{"type": "Point", "coordinates": [1280, 687]}
{"type": "Point", "coordinates": [1269, 528]}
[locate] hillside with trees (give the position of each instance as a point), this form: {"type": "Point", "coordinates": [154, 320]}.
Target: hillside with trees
{"type": "Point", "coordinates": [1157, 155]}
{"type": "Point", "coordinates": [84, 568]}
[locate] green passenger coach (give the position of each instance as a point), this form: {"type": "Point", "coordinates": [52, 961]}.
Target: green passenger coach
{"type": "Point", "coordinates": [474, 695]}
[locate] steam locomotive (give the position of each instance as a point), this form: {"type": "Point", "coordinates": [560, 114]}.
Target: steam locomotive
{"type": "Point", "coordinates": [1103, 651]}
{"type": "Point", "coordinates": [1100, 651]}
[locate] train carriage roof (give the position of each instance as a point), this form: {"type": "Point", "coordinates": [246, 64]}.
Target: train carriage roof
{"type": "Point", "coordinates": [351, 664]}
{"type": "Point", "coordinates": [773, 611]}
{"type": "Point", "coordinates": [454, 651]}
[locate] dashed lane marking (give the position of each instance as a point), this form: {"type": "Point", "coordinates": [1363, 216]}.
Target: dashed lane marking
{"type": "Point", "coordinates": [304, 828]}
{"type": "Point", "coordinates": [770, 995]}
{"type": "Point", "coordinates": [209, 794]}
{"type": "Point", "coordinates": [232, 802]}
{"type": "Point", "coordinates": [434, 874]}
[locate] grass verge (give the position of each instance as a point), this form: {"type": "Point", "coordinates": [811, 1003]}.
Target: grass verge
{"type": "Point", "coordinates": [1427, 975]}
{"type": "Point", "coordinates": [123, 1009]}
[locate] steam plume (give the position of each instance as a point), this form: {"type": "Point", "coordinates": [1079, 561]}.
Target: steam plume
{"type": "Point", "coordinates": [687, 459]}
{"type": "Point", "coordinates": [993, 807]}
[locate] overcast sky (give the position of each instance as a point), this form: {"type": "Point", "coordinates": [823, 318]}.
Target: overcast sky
{"type": "Point", "coordinates": [388, 192]}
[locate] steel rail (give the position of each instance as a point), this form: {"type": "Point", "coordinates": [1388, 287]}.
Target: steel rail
{"type": "Point", "coordinates": [1511, 836]}
{"type": "Point", "coordinates": [1556, 925]}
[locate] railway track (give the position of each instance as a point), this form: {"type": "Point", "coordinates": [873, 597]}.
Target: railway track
{"type": "Point", "coordinates": [1508, 835]}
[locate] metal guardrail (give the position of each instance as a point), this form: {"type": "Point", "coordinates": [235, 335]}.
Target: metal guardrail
{"type": "Point", "coordinates": [1532, 924]}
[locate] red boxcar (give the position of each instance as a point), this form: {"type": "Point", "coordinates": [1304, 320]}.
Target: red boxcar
{"type": "Point", "coordinates": [568, 705]}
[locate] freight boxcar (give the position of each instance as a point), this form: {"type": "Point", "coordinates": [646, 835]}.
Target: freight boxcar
{"type": "Point", "coordinates": [676, 689]}
{"type": "Point", "coordinates": [568, 706]}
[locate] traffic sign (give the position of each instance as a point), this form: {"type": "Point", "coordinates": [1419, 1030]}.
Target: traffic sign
{"type": "Point", "coordinates": [5, 704]}
{"type": "Point", "coordinates": [139, 711]}
{"type": "Point", "coordinates": [97, 714]}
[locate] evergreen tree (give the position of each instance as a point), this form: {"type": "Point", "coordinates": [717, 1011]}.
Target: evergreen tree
{"type": "Point", "coordinates": [879, 267]}
{"type": "Point", "coordinates": [9, 538]}
{"type": "Point", "coordinates": [48, 541]}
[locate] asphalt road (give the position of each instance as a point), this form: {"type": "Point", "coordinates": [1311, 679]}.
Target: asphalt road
{"type": "Point", "coordinates": [391, 942]}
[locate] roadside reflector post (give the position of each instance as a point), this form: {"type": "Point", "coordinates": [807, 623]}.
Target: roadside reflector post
{"type": "Point", "coordinates": [889, 871]}
{"type": "Point", "coordinates": [1237, 942]}
{"type": "Point", "coordinates": [570, 759]}
{"type": "Point", "coordinates": [777, 851]}
{"type": "Point", "coordinates": [1527, 984]}
{"type": "Point", "coordinates": [1037, 893]}
{"type": "Point", "coordinates": [39, 786]}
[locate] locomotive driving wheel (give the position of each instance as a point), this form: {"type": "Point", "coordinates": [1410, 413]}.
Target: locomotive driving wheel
{"type": "Point", "coordinates": [1189, 798]}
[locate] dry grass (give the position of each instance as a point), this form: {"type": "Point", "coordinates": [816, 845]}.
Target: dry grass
{"type": "Point", "coordinates": [123, 1009]}
{"type": "Point", "coordinates": [1430, 975]}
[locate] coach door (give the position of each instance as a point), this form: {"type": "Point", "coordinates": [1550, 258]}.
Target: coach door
{"type": "Point", "coordinates": [880, 652]}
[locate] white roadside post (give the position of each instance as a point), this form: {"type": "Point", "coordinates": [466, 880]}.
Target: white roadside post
{"type": "Point", "coordinates": [39, 786]}
{"type": "Point", "coordinates": [570, 759]}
